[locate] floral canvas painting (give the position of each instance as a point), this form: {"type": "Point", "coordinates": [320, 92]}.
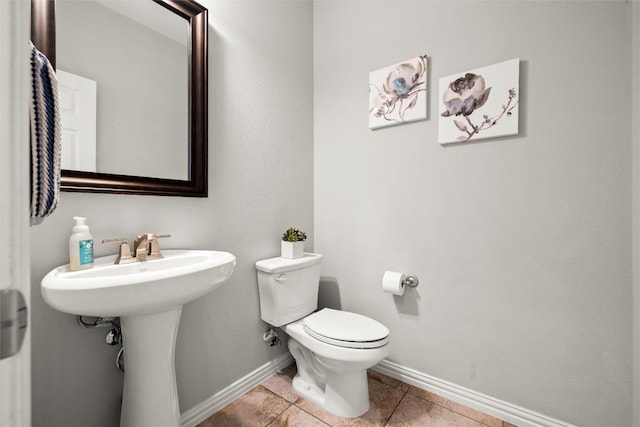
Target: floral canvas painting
{"type": "Point", "coordinates": [397, 94]}
{"type": "Point", "coordinates": [480, 103]}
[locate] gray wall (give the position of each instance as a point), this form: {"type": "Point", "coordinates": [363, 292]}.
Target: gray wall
{"type": "Point", "coordinates": [636, 208]}
{"type": "Point", "coordinates": [522, 244]}
{"type": "Point", "coordinates": [261, 181]}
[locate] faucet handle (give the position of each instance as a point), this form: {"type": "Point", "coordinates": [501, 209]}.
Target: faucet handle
{"type": "Point", "coordinates": [157, 236]}
{"type": "Point", "coordinates": [124, 253]}
{"type": "Point", "coordinates": [154, 247]}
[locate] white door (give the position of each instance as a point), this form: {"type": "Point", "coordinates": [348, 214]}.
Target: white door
{"type": "Point", "coordinates": [77, 97]}
{"type": "Point", "coordinates": [15, 370]}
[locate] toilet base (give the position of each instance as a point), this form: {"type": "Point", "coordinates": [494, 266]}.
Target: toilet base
{"type": "Point", "coordinates": [345, 394]}
{"type": "Point", "coordinates": [332, 377]}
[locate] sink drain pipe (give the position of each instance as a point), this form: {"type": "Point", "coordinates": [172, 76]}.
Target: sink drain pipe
{"type": "Point", "coordinates": [114, 336]}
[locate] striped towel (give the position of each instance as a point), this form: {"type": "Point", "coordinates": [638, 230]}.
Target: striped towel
{"type": "Point", "coordinates": [45, 138]}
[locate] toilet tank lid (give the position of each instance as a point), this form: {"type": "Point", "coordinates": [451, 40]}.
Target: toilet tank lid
{"type": "Point", "coordinates": [280, 265]}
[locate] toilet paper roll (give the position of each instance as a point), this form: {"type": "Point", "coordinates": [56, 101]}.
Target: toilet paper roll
{"type": "Point", "coordinates": [392, 282]}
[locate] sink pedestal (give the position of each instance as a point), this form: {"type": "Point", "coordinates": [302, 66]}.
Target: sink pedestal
{"type": "Point", "coordinates": [150, 396]}
{"type": "Point", "coordinates": [148, 297]}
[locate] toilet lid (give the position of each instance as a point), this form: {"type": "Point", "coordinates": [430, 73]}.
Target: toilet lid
{"type": "Point", "coordinates": [346, 329]}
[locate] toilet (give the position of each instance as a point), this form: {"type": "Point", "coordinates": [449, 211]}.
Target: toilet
{"type": "Point", "coordinates": [332, 348]}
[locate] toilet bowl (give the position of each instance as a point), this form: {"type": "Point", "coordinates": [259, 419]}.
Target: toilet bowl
{"type": "Point", "coordinates": [333, 376]}
{"type": "Point", "coordinates": [332, 348]}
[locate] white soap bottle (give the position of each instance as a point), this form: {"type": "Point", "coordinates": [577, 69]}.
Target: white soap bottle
{"type": "Point", "coordinates": [80, 245]}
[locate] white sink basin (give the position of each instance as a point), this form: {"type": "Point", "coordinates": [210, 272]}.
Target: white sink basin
{"type": "Point", "coordinates": [138, 288]}
{"type": "Point", "coordinates": [148, 297]}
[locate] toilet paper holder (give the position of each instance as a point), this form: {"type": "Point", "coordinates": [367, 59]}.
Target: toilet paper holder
{"type": "Point", "coordinates": [411, 281]}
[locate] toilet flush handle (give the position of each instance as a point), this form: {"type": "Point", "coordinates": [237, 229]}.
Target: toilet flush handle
{"type": "Point", "coordinates": [281, 278]}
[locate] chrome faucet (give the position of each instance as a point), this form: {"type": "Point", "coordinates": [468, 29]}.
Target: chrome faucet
{"type": "Point", "coordinates": [145, 248]}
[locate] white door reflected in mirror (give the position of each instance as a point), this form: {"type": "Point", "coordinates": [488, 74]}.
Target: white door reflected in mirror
{"type": "Point", "coordinates": [78, 113]}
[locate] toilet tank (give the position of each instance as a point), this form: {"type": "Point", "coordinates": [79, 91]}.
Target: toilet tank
{"type": "Point", "coordinates": [288, 288]}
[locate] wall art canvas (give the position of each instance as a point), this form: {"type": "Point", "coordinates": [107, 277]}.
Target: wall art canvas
{"type": "Point", "coordinates": [480, 103]}
{"type": "Point", "coordinates": [398, 94]}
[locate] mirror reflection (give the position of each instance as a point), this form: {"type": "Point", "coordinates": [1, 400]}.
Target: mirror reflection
{"type": "Point", "coordinates": [137, 181]}
{"type": "Point", "coordinates": [124, 80]}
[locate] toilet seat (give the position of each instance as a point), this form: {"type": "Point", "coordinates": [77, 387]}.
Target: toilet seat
{"type": "Point", "coordinates": [345, 329]}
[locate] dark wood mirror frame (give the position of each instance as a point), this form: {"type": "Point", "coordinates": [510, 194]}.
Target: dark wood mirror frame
{"type": "Point", "coordinates": [43, 35]}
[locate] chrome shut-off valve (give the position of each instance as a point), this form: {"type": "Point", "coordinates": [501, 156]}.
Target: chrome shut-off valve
{"type": "Point", "coordinates": [271, 337]}
{"type": "Point", "coordinates": [114, 337]}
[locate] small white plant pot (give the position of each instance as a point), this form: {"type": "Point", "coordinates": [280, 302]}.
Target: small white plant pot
{"type": "Point", "coordinates": [292, 250]}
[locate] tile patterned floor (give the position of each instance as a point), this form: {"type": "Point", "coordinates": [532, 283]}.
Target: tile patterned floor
{"type": "Point", "coordinates": [393, 404]}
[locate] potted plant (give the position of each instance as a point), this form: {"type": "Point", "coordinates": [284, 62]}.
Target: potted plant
{"type": "Point", "coordinates": [292, 243]}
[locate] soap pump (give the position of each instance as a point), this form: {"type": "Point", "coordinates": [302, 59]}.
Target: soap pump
{"type": "Point", "coordinates": [80, 245]}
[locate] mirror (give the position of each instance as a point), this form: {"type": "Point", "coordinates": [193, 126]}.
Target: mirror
{"type": "Point", "coordinates": [138, 148]}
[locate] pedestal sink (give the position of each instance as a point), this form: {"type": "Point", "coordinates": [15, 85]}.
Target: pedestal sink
{"type": "Point", "coordinates": [148, 297]}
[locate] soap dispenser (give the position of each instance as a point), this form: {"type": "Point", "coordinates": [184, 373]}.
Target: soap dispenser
{"type": "Point", "coordinates": [80, 245]}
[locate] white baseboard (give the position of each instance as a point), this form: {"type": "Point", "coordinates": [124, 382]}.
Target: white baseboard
{"type": "Point", "coordinates": [505, 411]}
{"type": "Point", "coordinates": [481, 402]}
{"type": "Point", "coordinates": [208, 407]}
